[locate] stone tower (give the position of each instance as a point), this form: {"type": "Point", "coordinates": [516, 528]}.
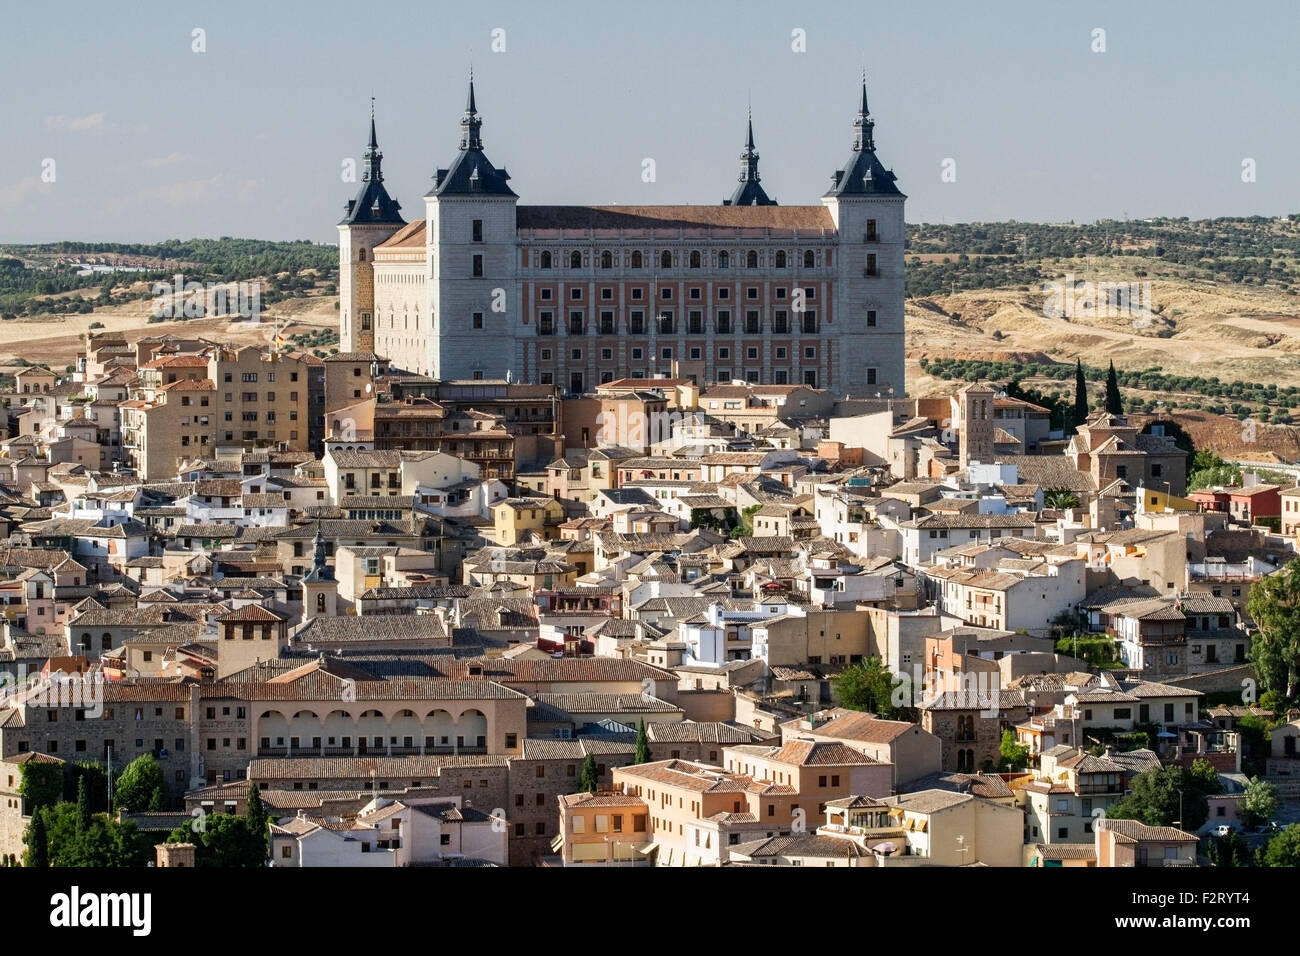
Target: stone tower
{"type": "Point", "coordinates": [867, 208]}
{"type": "Point", "coordinates": [976, 438]}
{"type": "Point", "coordinates": [471, 247]}
{"type": "Point", "coordinates": [320, 592]}
{"type": "Point", "coordinates": [370, 219]}
{"type": "Point", "coordinates": [175, 855]}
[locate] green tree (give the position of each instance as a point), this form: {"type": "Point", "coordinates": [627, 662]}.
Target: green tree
{"type": "Point", "coordinates": [1227, 852]}
{"type": "Point", "coordinates": [96, 778]}
{"type": "Point", "coordinates": [1114, 401]}
{"type": "Point", "coordinates": [1202, 776]}
{"type": "Point", "coordinates": [746, 527]}
{"type": "Point", "coordinates": [642, 754]}
{"type": "Point", "coordinates": [1274, 606]}
{"type": "Point", "coordinates": [1283, 849]}
{"type": "Point", "coordinates": [41, 784]}
{"type": "Point", "coordinates": [589, 781]}
{"type": "Point", "coordinates": [256, 812]}
{"type": "Point", "coordinates": [1080, 394]}
{"type": "Point", "coordinates": [103, 843]}
{"type": "Point", "coordinates": [1260, 803]}
{"type": "Point", "coordinates": [135, 787]}
{"type": "Point", "coordinates": [1015, 756]}
{"type": "Point", "coordinates": [38, 849]}
{"type": "Point", "coordinates": [869, 686]}
{"type": "Point", "coordinates": [1060, 499]}
{"type": "Point", "coordinates": [1163, 796]}
{"type": "Point", "coordinates": [83, 808]}
{"type": "Point", "coordinates": [224, 841]}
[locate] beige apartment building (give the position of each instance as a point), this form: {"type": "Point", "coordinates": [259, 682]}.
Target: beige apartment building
{"type": "Point", "coordinates": [250, 397]}
{"type": "Point", "coordinates": [698, 811]}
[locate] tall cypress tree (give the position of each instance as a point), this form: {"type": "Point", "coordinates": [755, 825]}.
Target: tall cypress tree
{"type": "Point", "coordinates": [258, 819]}
{"type": "Point", "coordinates": [83, 808]}
{"type": "Point", "coordinates": [589, 781]}
{"type": "Point", "coordinates": [1080, 394]}
{"type": "Point", "coordinates": [642, 754]}
{"type": "Point", "coordinates": [38, 848]}
{"type": "Point", "coordinates": [1114, 401]}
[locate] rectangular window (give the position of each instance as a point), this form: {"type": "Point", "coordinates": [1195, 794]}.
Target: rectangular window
{"type": "Point", "coordinates": [478, 266]}
{"type": "Point", "coordinates": [477, 230]}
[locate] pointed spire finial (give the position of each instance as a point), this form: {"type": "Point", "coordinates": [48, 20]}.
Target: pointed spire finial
{"type": "Point", "coordinates": [470, 124]}
{"type": "Point", "coordinates": [864, 125]}
{"type": "Point", "coordinates": [374, 140]}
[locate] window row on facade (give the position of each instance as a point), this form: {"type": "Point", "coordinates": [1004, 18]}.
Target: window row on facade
{"type": "Point", "coordinates": [670, 259]}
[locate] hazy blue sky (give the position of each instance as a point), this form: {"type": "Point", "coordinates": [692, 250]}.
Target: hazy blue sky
{"type": "Point", "coordinates": [151, 140]}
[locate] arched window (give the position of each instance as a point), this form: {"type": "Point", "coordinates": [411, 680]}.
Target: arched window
{"type": "Point", "coordinates": [695, 260]}
{"type": "Point", "coordinates": [636, 260]}
{"type": "Point", "coordinates": [666, 260]}
{"type": "Point", "coordinates": [751, 260]}
{"type": "Point", "coordinates": [546, 260]}
{"type": "Point", "coordinates": [607, 260]}
{"type": "Point", "coordinates": [724, 260]}
{"type": "Point", "coordinates": [575, 260]}
{"type": "Point", "coordinates": [809, 260]}
{"type": "Point", "coordinates": [320, 603]}
{"type": "Point", "coordinates": [780, 260]}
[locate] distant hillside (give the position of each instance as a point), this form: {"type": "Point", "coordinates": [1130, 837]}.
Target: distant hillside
{"type": "Point", "coordinates": [44, 279]}
{"type": "Point", "coordinates": [963, 256]}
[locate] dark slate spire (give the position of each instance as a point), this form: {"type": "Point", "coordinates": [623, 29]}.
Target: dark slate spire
{"type": "Point", "coordinates": [373, 204]}
{"type": "Point", "coordinates": [470, 124]}
{"type": "Point", "coordinates": [372, 158]}
{"type": "Point", "coordinates": [864, 125]}
{"type": "Point", "coordinates": [471, 173]}
{"type": "Point", "coordinates": [863, 174]}
{"type": "Point", "coordinates": [320, 571]}
{"type": "Point", "coordinates": [749, 192]}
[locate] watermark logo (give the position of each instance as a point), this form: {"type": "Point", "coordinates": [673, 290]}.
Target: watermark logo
{"type": "Point", "coordinates": [499, 822]}
{"type": "Point", "coordinates": [1247, 170]}
{"type": "Point", "coordinates": [49, 170]}
{"type": "Point", "coordinates": [73, 691]}
{"type": "Point", "coordinates": [1248, 430]}
{"type": "Point", "coordinates": [348, 694]}
{"type": "Point", "coordinates": [200, 822]}
{"type": "Point", "coordinates": [648, 688]}
{"type": "Point", "coordinates": [948, 170]}
{"type": "Point", "coordinates": [1069, 299]}
{"type": "Point", "coordinates": [193, 300]}
{"type": "Point", "coordinates": [498, 40]}
{"type": "Point", "coordinates": [648, 170]}
{"type": "Point", "coordinates": [198, 40]}
{"type": "Point", "coordinates": [973, 690]}
{"type": "Point", "coordinates": [1098, 40]}
{"type": "Point", "coordinates": [105, 910]}
{"type": "Point", "coordinates": [1249, 691]}
{"type": "Point", "coordinates": [798, 40]}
